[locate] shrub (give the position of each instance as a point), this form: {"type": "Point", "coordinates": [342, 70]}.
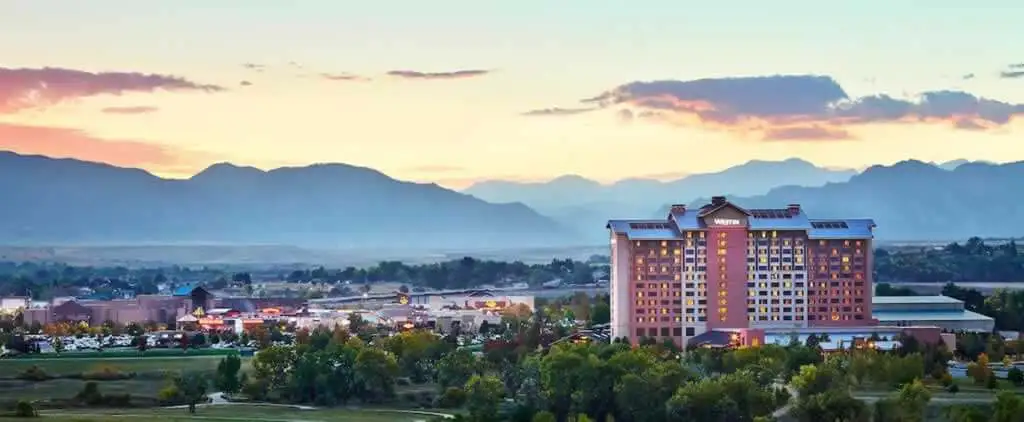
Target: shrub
{"type": "Point", "coordinates": [1015, 375]}
{"type": "Point", "coordinates": [106, 373]}
{"type": "Point", "coordinates": [409, 397]}
{"type": "Point", "coordinates": [169, 394]}
{"type": "Point", "coordinates": [90, 394]}
{"type": "Point", "coordinates": [953, 388]}
{"type": "Point", "coordinates": [25, 409]}
{"type": "Point", "coordinates": [402, 381]}
{"type": "Point", "coordinates": [946, 380]}
{"type": "Point", "coordinates": [451, 398]}
{"type": "Point", "coordinates": [544, 416]}
{"type": "Point", "coordinates": [34, 373]}
{"type": "Point", "coordinates": [991, 383]}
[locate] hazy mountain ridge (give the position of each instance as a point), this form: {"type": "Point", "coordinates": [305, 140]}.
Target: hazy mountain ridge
{"type": "Point", "coordinates": [62, 201]}
{"type": "Point", "coordinates": [913, 200]}
{"type": "Point", "coordinates": [584, 204]}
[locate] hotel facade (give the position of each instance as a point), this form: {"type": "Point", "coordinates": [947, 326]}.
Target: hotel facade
{"type": "Point", "coordinates": [723, 268]}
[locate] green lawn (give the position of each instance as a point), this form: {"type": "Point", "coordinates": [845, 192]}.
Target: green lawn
{"type": "Point", "coordinates": [236, 413]}
{"type": "Point", "coordinates": [13, 367]}
{"type": "Point", "coordinates": [68, 388]}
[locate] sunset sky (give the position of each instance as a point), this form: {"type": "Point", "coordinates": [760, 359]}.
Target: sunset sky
{"type": "Point", "coordinates": [454, 91]}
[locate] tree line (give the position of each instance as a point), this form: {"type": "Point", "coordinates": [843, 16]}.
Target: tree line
{"type": "Point", "coordinates": [972, 261]}
{"type": "Point", "coordinates": [46, 280]}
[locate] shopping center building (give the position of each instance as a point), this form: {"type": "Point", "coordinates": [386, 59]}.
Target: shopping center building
{"type": "Point", "coordinates": [723, 268]}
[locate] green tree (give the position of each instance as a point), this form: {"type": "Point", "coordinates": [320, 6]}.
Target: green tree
{"type": "Point", "coordinates": [226, 378]}
{"type": "Point", "coordinates": [456, 368]}
{"type": "Point", "coordinates": [192, 387]}
{"type": "Point", "coordinates": [483, 394]}
{"type": "Point", "coordinates": [272, 364]}
{"type": "Point", "coordinates": [1015, 375]}
{"type": "Point", "coordinates": [376, 370]}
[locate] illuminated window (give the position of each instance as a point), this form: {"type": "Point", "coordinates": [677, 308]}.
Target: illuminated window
{"type": "Point", "coordinates": [764, 234]}
{"type": "Point", "coordinates": [821, 243]}
{"type": "Point", "coordinates": [676, 252]}
{"type": "Point", "coordinates": [664, 311]}
{"type": "Point", "coordinates": [664, 252]}
{"type": "Point", "coordinates": [846, 260]}
{"type": "Point", "coordinates": [701, 235]}
{"type": "Point", "coordinates": [723, 243]}
{"type": "Point", "coordinates": [640, 319]}
{"type": "Point", "coordinates": [651, 319]}
{"type": "Point", "coordinates": [763, 259]}
{"type": "Point", "coordinates": [846, 243]}
{"type": "Point", "coordinates": [678, 319]}
{"type": "Point", "coordinates": [723, 302]}
{"type": "Point", "coordinates": [774, 234]}
{"type": "Point", "coordinates": [689, 302]}
{"type": "Point", "coordinates": [639, 294]}
{"type": "Point", "coordinates": [664, 243]}
{"type": "Point", "coordinates": [835, 317]}
{"type": "Point", "coordinates": [723, 310]}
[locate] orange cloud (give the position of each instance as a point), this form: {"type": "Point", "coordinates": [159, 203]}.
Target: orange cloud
{"type": "Point", "coordinates": [457, 74]}
{"type": "Point", "coordinates": [31, 88]}
{"type": "Point", "coordinates": [73, 143]}
{"type": "Point", "coordinates": [130, 110]}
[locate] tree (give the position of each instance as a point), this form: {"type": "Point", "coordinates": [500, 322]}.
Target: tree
{"type": "Point", "coordinates": [376, 370]}
{"type": "Point", "coordinates": [456, 368]}
{"type": "Point", "coordinates": [602, 314]}
{"type": "Point", "coordinates": [483, 393]}
{"type": "Point", "coordinates": [271, 366]}
{"type": "Point", "coordinates": [226, 378]}
{"type": "Point", "coordinates": [979, 370]}
{"type": "Point", "coordinates": [192, 387]}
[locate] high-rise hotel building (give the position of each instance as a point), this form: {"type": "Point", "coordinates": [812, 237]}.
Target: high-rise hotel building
{"type": "Point", "coordinates": [723, 267]}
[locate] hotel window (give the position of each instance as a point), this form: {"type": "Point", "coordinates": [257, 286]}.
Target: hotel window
{"type": "Point", "coordinates": [722, 235]}
{"type": "Point", "coordinates": [846, 243]}
{"type": "Point", "coordinates": [846, 260]}
{"type": "Point", "coordinates": [764, 235]}
{"type": "Point", "coordinates": [821, 243]}
{"type": "Point", "coordinates": [664, 243]}
{"type": "Point", "coordinates": [639, 294]}
{"type": "Point", "coordinates": [676, 252]}
{"type": "Point", "coordinates": [701, 235]}
{"type": "Point", "coordinates": [664, 252]}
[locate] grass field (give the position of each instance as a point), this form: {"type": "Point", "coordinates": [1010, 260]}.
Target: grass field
{"type": "Point", "coordinates": [235, 413]}
{"type": "Point", "coordinates": [150, 375]}
{"type": "Point", "coordinates": [13, 367]}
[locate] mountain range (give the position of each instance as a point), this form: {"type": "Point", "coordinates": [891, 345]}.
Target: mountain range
{"type": "Point", "coordinates": [62, 201]}
{"type": "Point", "coordinates": [69, 202]}
{"type": "Point", "coordinates": [583, 204]}
{"type": "Point", "coordinates": [913, 200]}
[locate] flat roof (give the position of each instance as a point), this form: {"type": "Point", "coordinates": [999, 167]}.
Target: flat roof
{"type": "Point", "coordinates": [916, 300]}
{"type": "Point", "coordinates": [929, 316]}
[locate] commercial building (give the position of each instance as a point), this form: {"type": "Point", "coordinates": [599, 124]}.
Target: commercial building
{"type": "Point", "coordinates": [721, 267]}
{"type": "Point", "coordinates": [940, 311]}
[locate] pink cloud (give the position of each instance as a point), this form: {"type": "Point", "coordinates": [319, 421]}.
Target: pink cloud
{"type": "Point", "coordinates": [26, 88]}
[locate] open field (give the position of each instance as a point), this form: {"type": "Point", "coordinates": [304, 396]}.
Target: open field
{"type": "Point", "coordinates": [68, 388]}
{"type": "Point", "coordinates": [236, 413]}
{"type": "Point", "coordinates": [12, 367]}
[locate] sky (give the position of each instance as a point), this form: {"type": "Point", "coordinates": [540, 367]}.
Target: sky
{"type": "Point", "coordinates": [455, 91]}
